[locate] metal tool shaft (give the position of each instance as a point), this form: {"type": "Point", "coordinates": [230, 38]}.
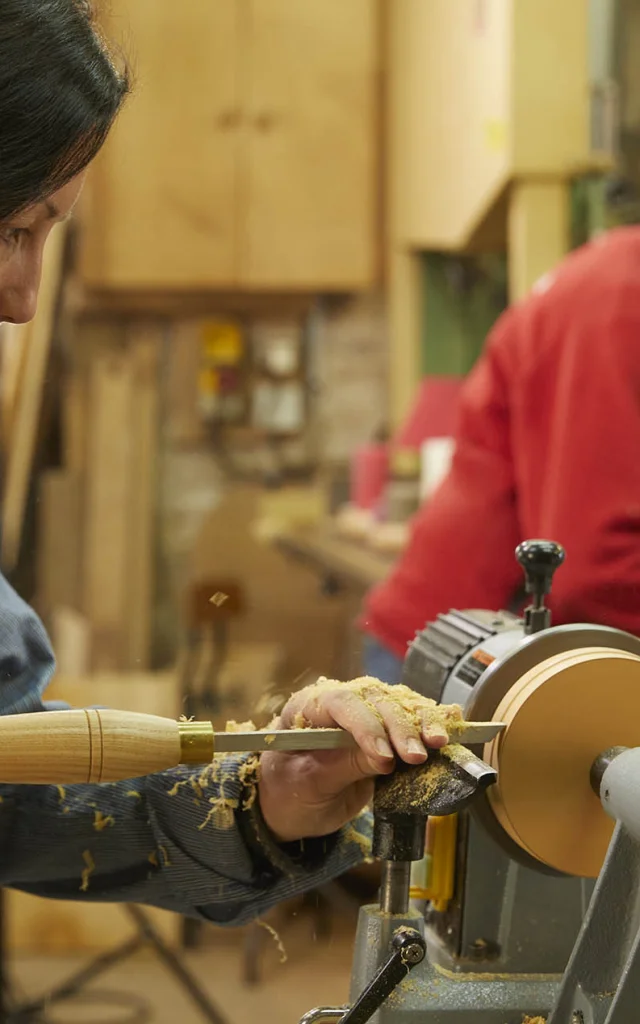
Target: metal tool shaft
{"type": "Point", "coordinates": [284, 739]}
{"type": "Point", "coordinates": [331, 739]}
{"type": "Point", "coordinates": [394, 889]}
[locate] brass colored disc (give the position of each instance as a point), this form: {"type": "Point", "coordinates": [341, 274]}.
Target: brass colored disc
{"type": "Point", "coordinates": [560, 716]}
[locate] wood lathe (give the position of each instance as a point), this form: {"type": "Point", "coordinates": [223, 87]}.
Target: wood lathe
{"type": "Point", "coordinates": [521, 900]}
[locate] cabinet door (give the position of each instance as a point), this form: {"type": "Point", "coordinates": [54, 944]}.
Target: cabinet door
{"type": "Point", "coordinates": [162, 201]}
{"type": "Point", "coordinates": [309, 196]}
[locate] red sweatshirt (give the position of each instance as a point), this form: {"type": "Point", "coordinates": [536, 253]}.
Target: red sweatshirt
{"type": "Point", "coordinates": [547, 445]}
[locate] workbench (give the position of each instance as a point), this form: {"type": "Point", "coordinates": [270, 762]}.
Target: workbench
{"type": "Point", "coordinates": [350, 562]}
{"type": "Point", "coordinates": [346, 568]}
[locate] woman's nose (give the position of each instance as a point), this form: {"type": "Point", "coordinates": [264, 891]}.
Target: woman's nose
{"type": "Point", "coordinates": [19, 291]}
{"type": "Point", "coordinates": [19, 307]}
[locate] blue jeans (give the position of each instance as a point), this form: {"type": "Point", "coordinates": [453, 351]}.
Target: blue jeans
{"type": "Point", "coordinates": [379, 662]}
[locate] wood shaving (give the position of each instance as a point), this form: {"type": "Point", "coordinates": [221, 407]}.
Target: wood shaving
{"type": "Point", "coordinates": [165, 856]}
{"type": "Point", "coordinates": [62, 793]}
{"type": "Point", "coordinates": [222, 807]}
{"type": "Point", "coordinates": [363, 842]}
{"type": "Point", "coordinates": [178, 786]}
{"type": "Point", "coordinates": [534, 1020]}
{"type": "Point", "coordinates": [240, 726]}
{"type": "Point", "coordinates": [88, 870]}
{"type": "Point", "coordinates": [410, 707]}
{"type": "Point", "coordinates": [153, 859]}
{"type": "Point", "coordinates": [218, 599]}
{"type": "Point", "coordinates": [102, 821]}
{"type": "Point", "coordinates": [249, 775]}
{"type": "Point", "coordinates": [221, 813]}
{"type": "Point", "coordinates": [276, 938]}
{"type": "Point", "coordinates": [134, 793]}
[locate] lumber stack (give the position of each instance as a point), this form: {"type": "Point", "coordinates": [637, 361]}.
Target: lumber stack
{"type": "Point", "coordinates": [97, 511]}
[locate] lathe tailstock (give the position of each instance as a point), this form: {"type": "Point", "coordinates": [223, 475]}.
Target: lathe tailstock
{"type": "Point", "coordinates": [526, 900]}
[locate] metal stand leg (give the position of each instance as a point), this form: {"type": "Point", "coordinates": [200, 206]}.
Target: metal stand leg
{"type": "Point", "coordinates": [147, 934]}
{"type": "Point", "coordinates": [602, 982]}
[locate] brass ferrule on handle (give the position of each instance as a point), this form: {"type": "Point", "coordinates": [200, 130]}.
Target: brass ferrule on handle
{"type": "Point", "coordinates": [197, 742]}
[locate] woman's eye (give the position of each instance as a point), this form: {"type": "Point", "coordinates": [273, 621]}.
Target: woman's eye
{"type": "Point", "coordinates": [11, 236]}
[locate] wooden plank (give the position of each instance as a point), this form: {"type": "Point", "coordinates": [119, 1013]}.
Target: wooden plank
{"type": "Point", "coordinates": [59, 579]}
{"type": "Point", "coordinates": [12, 337]}
{"type": "Point", "coordinates": [146, 342]}
{"type": "Point", "coordinates": [182, 422]}
{"type": "Point", "coordinates": [71, 638]}
{"type": "Point", "coordinates": [74, 419]}
{"type": "Point", "coordinates": [28, 405]}
{"type": "Point", "coordinates": [108, 497]}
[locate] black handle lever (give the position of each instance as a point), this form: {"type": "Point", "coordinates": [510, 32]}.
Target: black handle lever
{"type": "Point", "coordinates": [408, 949]}
{"type": "Point", "coordinates": [539, 560]}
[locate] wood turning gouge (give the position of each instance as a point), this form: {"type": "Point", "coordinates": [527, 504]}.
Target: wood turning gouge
{"type": "Point", "coordinates": [472, 733]}
{"type": "Point", "coordinates": [103, 745]}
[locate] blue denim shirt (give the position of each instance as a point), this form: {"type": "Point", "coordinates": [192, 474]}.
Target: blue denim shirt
{"type": "Point", "coordinates": [163, 840]}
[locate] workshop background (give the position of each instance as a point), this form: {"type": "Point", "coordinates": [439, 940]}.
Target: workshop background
{"type": "Point", "coordinates": [243, 374]}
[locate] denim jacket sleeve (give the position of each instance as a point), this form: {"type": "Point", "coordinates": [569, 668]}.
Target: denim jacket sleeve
{"type": "Point", "coordinates": [191, 841]}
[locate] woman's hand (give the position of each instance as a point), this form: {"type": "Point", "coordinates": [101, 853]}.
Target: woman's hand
{"type": "Point", "coordinates": [315, 793]}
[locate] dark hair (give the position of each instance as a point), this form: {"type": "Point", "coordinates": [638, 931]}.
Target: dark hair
{"type": "Point", "coordinates": [60, 91]}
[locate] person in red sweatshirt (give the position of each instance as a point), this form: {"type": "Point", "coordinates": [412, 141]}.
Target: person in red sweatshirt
{"type": "Point", "coordinates": [547, 445]}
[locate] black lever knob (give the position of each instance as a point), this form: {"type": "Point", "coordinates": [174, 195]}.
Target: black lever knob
{"type": "Point", "coordinates": [539, 560]}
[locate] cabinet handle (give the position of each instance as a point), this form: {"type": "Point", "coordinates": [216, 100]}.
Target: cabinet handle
{"type": "Point", "coordinates": [228, 120]}
{"type": "Point", "coordinates": [265, 121]}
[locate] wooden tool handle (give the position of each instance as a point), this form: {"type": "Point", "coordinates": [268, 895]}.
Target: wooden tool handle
{"type": "Point", "coordinates": [64, 747]}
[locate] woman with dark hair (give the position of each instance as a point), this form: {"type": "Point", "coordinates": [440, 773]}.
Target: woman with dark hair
{"type": "Point", "coordinates": [285, 826]}
{"type": "Point", "coordinates": [60, 91]}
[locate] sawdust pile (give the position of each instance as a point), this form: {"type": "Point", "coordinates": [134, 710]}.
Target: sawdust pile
{"type": "Point", "coordinates": [406, 791]}
{"type": "Point", "coordinates": [534, 1020]}
{"type": "Point", "coordinates": [417, 788]}
{"type": "Point", "coordinates": [407, 704]}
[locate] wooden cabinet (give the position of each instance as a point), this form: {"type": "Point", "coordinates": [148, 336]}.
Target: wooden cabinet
{"type": "Point", "coordinates": [247, 156]}
{"type": "Point", "coordinates": [483, 93]}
